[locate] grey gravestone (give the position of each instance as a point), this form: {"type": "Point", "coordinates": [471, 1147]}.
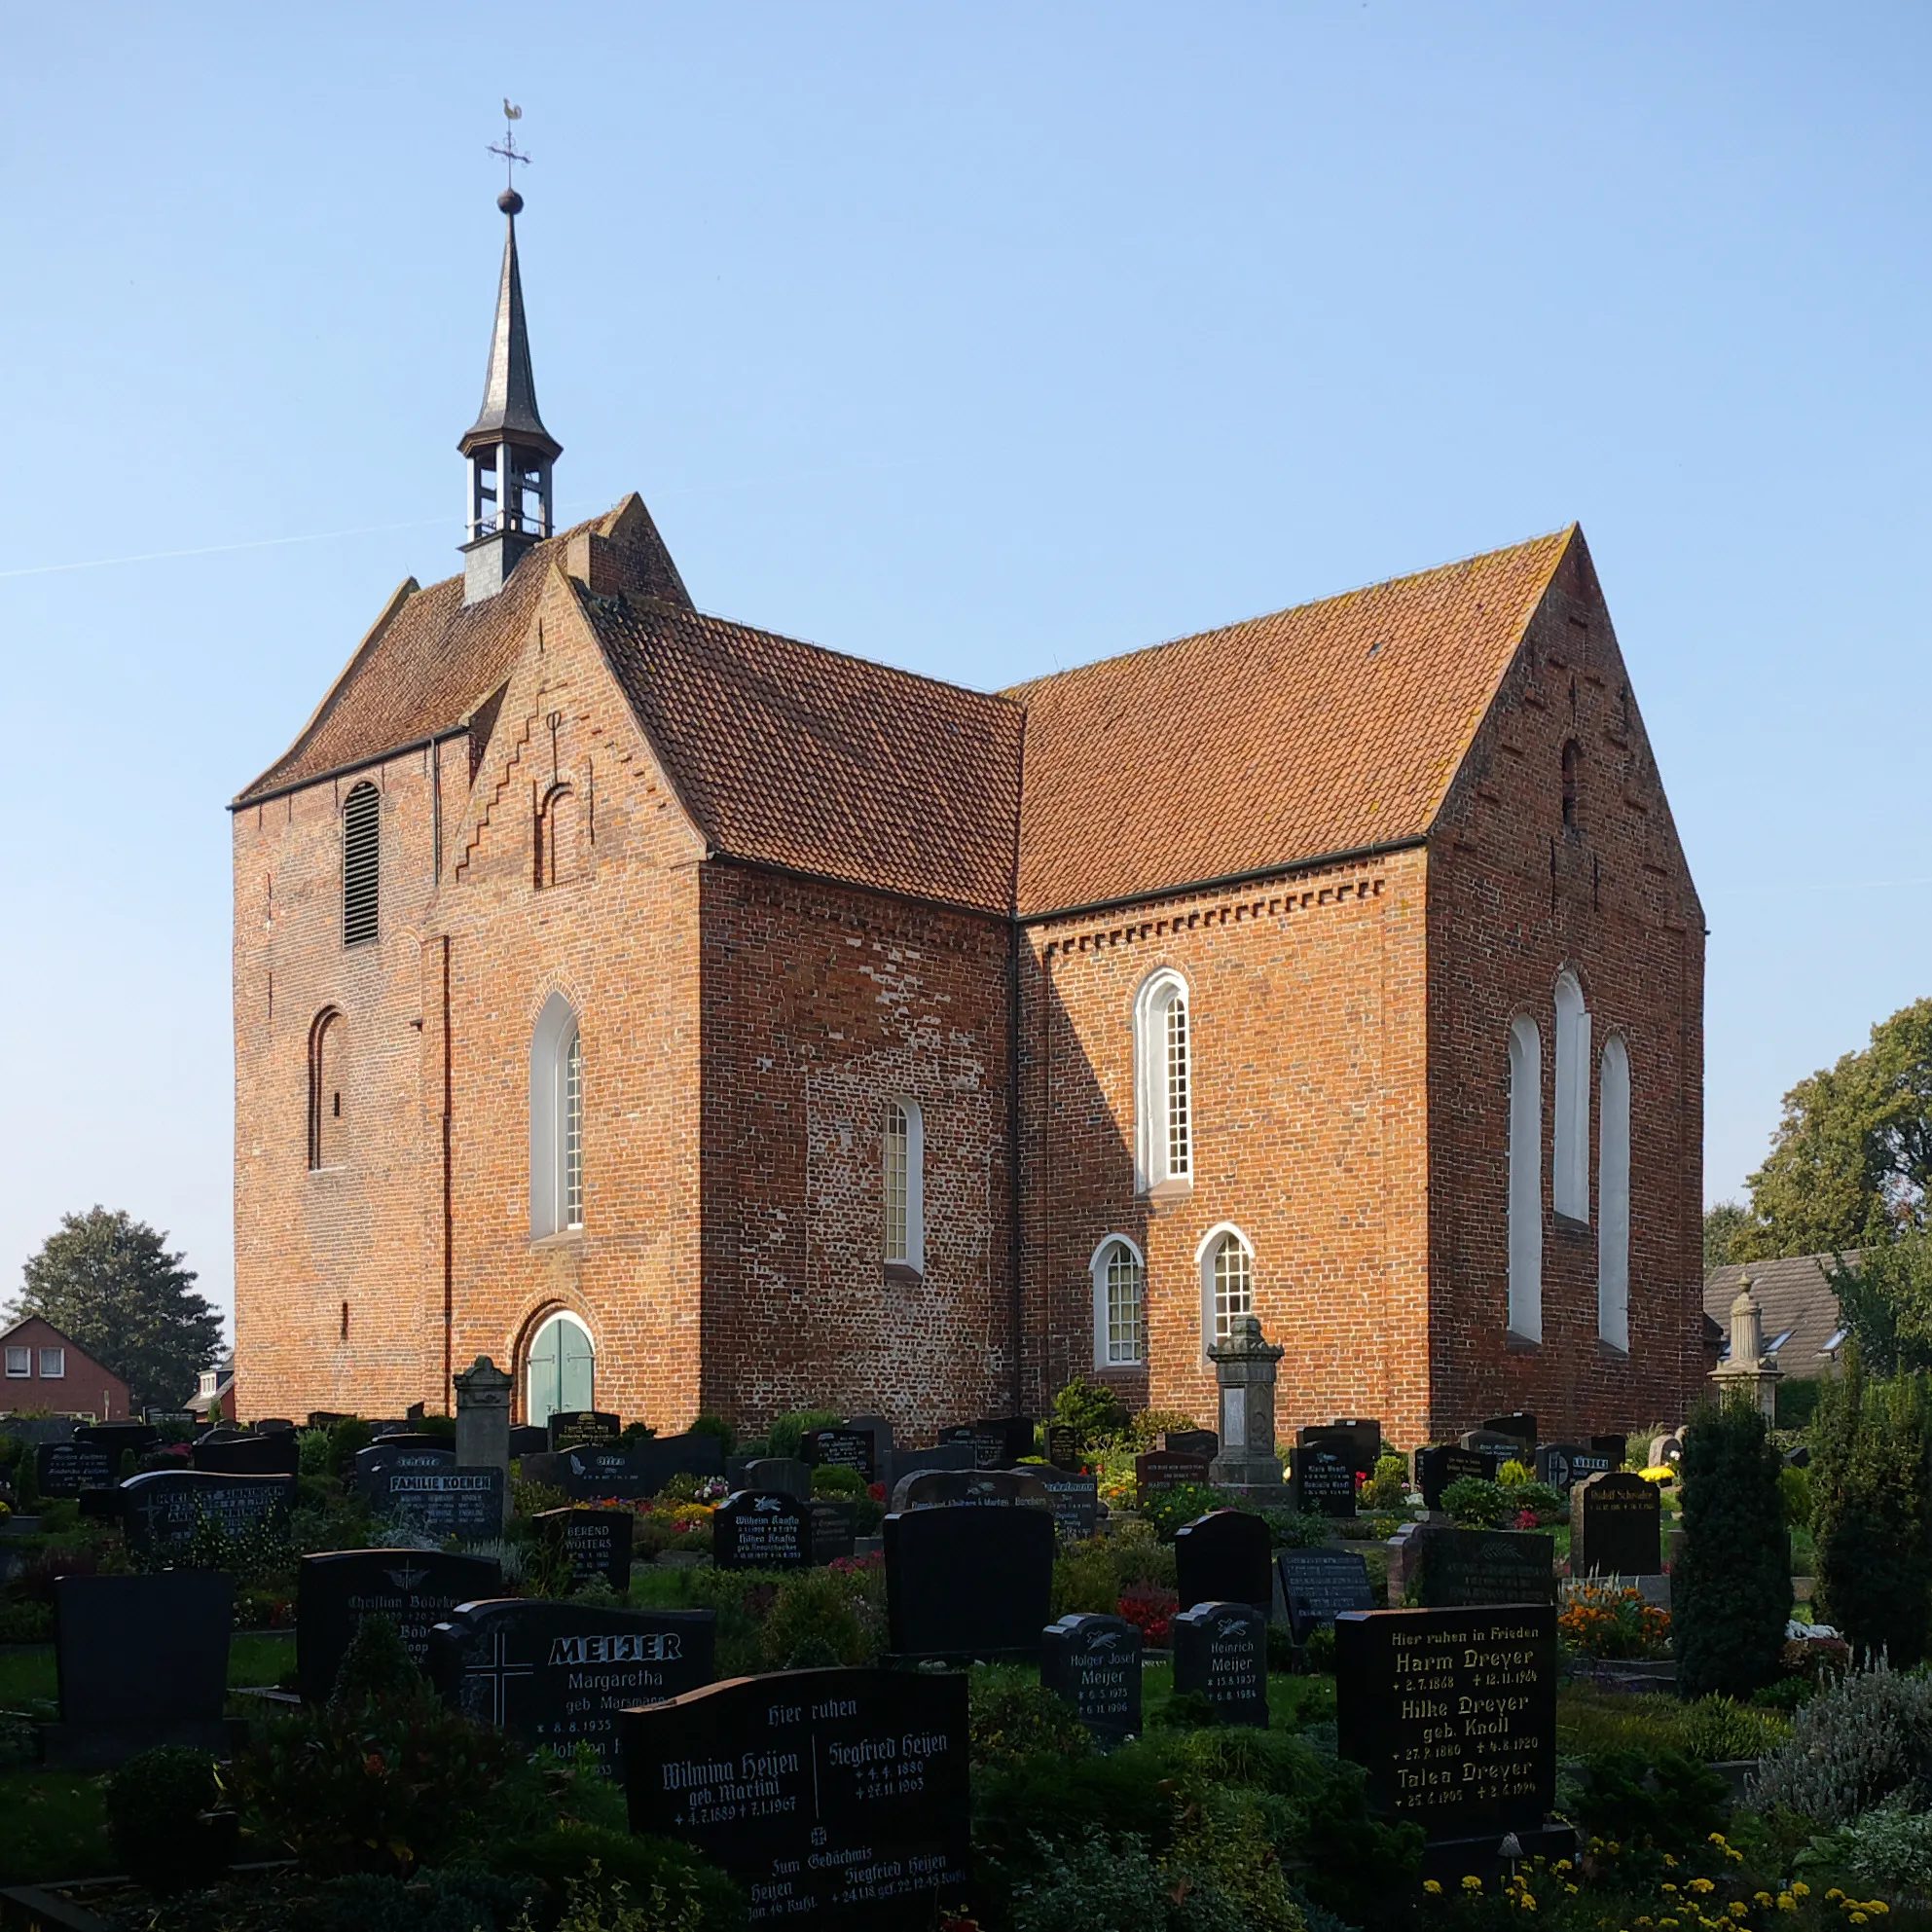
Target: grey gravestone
{"type": "Point", "coordinates": [278, 1454]}
{"type": "Point", "coordinates": [1162, 1469]}
{"type": "Point", "coordinates": [556, 1674]}
{"type": "Point", "coordinates": [1323, 1483]}
{"type": "Point", "coordinates": [935, 1488]}
{"type": "Point", "coordinates": [1318, 1584]}
{"type": "Point", "coordinates": [1075, 1501]}
{"type": "Point", "coordinates": [1616, 1527]}
{"type": "Point", "coordinates": [414, 1588]}
{"type": "Point", "coordinates": [584, 1428]}
{"type": "Point", "coordinates": [161, 1510]}
{"type": "Point", "coordinates": [641, 1469]}
{"type": "Point", "coordinates": [1463, 1568]}
{"type": "Point", "coordinates": [838, 1798]}
{"type": "Point", "coordinates": [780, 1476]}
{"type": "Point", "coordinates": [398, 1451]}
{"type": "Point", "coordinates": [590, 1545]}
{"type": "Point", "coordinates": [327, 1418]}
{"type": "Point", "coordinates": [528, 1442]}
{"type": "Point", "coordinates": [1202, 1443]}
{"type": "Point", "coordinates": [467, 1503]}
{"type": "Point", "coordinates": [1453, 1712]}
{"type": "Point", "coordinates": [1222, 1557]}
{"type": "Point", "coordinates": [880, 1427]}
{"type": "Point", "coordinates": [834, 1529]}
{"type": "Point", "coordinates": [761, 1530]}
{"type": "Point", "coordinates": [270, 1425]}
{"type": "Point", "coordinates": [1001, 1440]}
{"type": "Point", "coordinates": [1442, 1464]}
{"type": "Point", "coordinates": [142, 1661]}
{"type": "Point", "coordinates": [969, 1581]}
{"type": "Point", "coordinates": [1094, 1663]}
{"type": "Point", "coordinates": [840, 1448]}
{"type": "Point", "coordinates": [65, 1469]}
{"type": "Point", "coordinates": [1221, 1653]}
{"type": "Point", "coordinates": [1563, 1464]}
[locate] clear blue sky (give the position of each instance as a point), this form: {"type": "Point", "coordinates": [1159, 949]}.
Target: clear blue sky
{"type": "Point", "coordinates": [981, 339]}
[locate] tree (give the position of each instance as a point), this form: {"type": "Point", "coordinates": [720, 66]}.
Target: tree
{"type": "Point", "coordinates": [108, 1281]}
{"type": "Point", "coordinates": [1723, 1224]}
{"type": "Point", "coordinates": [1886, 1302]}
{"type": "Point", "coordinates": [1730, 1590]}
{"type": "Point", "coordinates": [1852, 1159]}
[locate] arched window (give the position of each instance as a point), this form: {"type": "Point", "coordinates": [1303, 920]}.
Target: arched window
{"type": "Point", "coordinates": [557, 837]}
{"type": "Point", "coordinates": [1120, 1304]}
{"type": "Point", "coordinates": [325, 1089]}
{"type": "Point", "coordinates": [1570, 1175]}
{"type": "Point", "coordinates": [1163, 1083]}
{"type": "Point", "coordinates": [1227, 1281]}
{"type": "Point", "coordinates": [362, 862]}
{"type": "Point", "coordinates": [556, 1121]}
{"type": "Point", "coordinates": [904, 1176]}
{"type": "Point", "coordinates": [1573, 758]}
{"type": "Point", "coordinates": [560, 1371]}
{"type": "Point", "coordinates": [1613, 1196]}
{"type": "Point", "coordinates": [1525, 1180]}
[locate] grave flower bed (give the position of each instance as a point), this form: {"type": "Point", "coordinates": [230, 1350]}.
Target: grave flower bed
{"type": "Point", "coordinates": [1601, 1621]}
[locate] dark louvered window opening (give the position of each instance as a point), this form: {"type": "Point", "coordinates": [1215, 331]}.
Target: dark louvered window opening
{"type": "Point", "coordinates": [361, 866]}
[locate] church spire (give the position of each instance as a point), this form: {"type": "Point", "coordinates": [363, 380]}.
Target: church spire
{"type": "Point", "coordinates": [508, 449]}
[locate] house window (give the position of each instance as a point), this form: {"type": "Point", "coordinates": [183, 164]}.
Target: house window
{"type": "Point", "coordinates": [1163, 1083]}
{"type": "Point", "coordinates": [1570, 1177]}
{"type": "Point", "coordinates": [904, 1185]}
{"type": "Point", "coordinates": [1613, 1196]}
{"type": "Point", "coordinates": [19, 1363]}
{"type": "Point", "coordinates": [1120, 1304]}
{"type": "Point", "coordinates": [560, 1371]}
{"type": "Point", "coordinates": [325, 1089]}
{"type": "Point", "coordinates": [1525, 1180]}
{"type": "Point", "coordinates": [53, 1364]}
{"type": "Point", "coordinates": [363, 837]}
{"type": "Point", "coordinates": [557, 837]}
{"type": "Point", "coordinates": [556, 1121]}
{"type": "Point", "coordinates": [1227, 1282]}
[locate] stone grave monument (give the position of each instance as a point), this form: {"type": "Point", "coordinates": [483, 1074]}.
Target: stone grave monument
{"type": "Point", "coordinates": [761, 1530]}
{"type": "Point", "coordinates": [1244, 1367]}
{"type": "Point", "coordinates": [1094, 1663]}
{"type": "Point", "coordinates": [414, 1588]}
{"type": "Point", "coordinates": [1318, 1584]}
{"type": "Point", "coordinates": [1616, 1527]}
{"type": "Point", "coordinates": [588, 1546]}
{"type": "Point", "coordinates": [1221, 1653]}
{"type": "Point", "coordinates": [968, 1583]}
{"type": "Point", "coordinates": [1224, 1557]}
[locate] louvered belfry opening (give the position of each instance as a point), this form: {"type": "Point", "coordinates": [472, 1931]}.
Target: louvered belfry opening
{"type": "Point", "coordinates": [362, 827]}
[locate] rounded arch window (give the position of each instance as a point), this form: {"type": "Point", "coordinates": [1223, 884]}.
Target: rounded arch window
{"type": "Point", "coordinates": [560, 1373]}
{"type": "Point", "coordinates": [1227, 1282]}
{"type": "Point", "coordinates": [1120, 1304]}
{"type": "Point", "coordinates": [1163, 1083]}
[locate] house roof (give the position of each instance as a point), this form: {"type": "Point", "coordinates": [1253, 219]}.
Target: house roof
{"type": "Point", "coordinates": [1795, 1300]}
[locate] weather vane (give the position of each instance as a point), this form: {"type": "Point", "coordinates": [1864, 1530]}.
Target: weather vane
{"type": "Point", "coordinates": [510, 153]}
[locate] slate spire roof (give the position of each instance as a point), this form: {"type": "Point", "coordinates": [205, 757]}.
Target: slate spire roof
{"type": "Point", "coordinates": [509, 388]}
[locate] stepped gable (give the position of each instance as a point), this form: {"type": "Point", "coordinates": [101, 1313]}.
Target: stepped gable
{"type": "Point", "coordinates": [1316, 730]}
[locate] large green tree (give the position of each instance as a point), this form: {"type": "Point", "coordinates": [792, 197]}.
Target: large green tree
{"type": "Point", "coordinates": [1852, 1159]}
{"type": "Point", "coordinates": [1723, 1224]}
{"type": "Point", "coordinates": [109, 1281]}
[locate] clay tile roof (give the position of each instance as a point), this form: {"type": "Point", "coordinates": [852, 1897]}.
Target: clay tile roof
{"type": "Point", "coordinates": [799, 756]}
{"type": "Point", "coordinates": [1317, 730]}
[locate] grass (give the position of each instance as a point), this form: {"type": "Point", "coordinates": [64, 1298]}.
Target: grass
{"type": "Point", "coordinates": [56, 1827]}
{"type": "Point", "coordinates": [29, 1677]}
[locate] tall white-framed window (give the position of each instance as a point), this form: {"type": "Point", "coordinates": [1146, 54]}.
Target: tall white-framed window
{"type": "Point", "coordinates": [1570, 1163]}
{"type": "Point", "coordinates": [1613, 1195]}
{"type": "Point", "coordinates": [53, 1364]}
{"type": "Point", "coordinates": [1227, 1281]}
{"type": "Point", "coordinates": [560, 1373]}
{"type": "Point", "coordinates": [904, 1179]}
{"type": "Point", "coordinates": [19, 1363]}
{"type": "Point", "coordinates": [556, 1121]}
{"type": "Point", "coordinates": [1120, 1272]}
{"type": "Point", "coordinates": [1525, 1180]}
{"type": "Point", "coordinates": [1164, 1082]}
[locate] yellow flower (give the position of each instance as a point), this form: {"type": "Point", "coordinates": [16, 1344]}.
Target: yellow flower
{"type": "Point", "coordinates": [1731, 1852]}
{"type": "Point", "coordinates": [1703, 1885]}
{"type": "Point", "coordinates": [1668, 1887]}
{"type": "Point", "coordinates": [1569, 1888]}
{"type": "Point", "coordinates": [1835, 1895]}
{"type": "Point", "coordinates": [1471, 1882]}
{"type": "Point", "coordinates": [1800, 1890]}
{"type": "Point", "coordinates": [1763, 1898]}
{"type": "Point", "coordinates": [1670, 1861]}
{"type": "Point", "coordinates": [1562, 1865]}
{"type": "Point", "coordinates": [1737, 1909]}
{"type": "Point", "coordinates": [1716, 1838]}
{"type": "Point", "coordinates": [1786, 1903]}
{"type": "Point", "coordinates": [1433, 1886]}
{"type": "Point", "coordinates": [1858, 1918]}
{"type": "Point", "coordinates": [1878, 1906]}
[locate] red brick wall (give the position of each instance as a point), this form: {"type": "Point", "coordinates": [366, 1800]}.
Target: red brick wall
{"type": "Point", "coordinates": [86, 1389]}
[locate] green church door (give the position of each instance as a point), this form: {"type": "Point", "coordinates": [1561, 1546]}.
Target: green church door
{"type": "Point", "coordinates": [562, 1369]}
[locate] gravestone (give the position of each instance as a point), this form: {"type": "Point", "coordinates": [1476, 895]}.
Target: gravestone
{"type": "Point", "coordinates": [1461, 1568]}
{"type": "Point", "coordinates": [1562, 1464]}
{"type": "Point", "coordinates": [963, 1581]}
{"type": "Point", "coordinates": [1221, 1653]}
{"type": "Point", "coordinates": [399, 1451]}
{"type": "Point", "coordinates": [584, 1428]}
{"type": "Point", "coordinates": [590, 1545]}
{"type": "Point", "coordinates": [528, 1442]}
{"type": "Point", "coordinates": [1323, 1483]}
{"type": "Point", "coordinates": [162, 1509]}
{"type": "Point", "coordinates": [839, 1448]}
{"type": "Point", "coordinates": [880, 1427]}
{"type": "Point", "coordinates": [946, 1456]}
{"type": "Point", "coordinates": [779, 1475]}
{"type": "Point", "coordinates": [467, 1503]}
{"type": "Point", "coordinates": [1094, 1663]}
{"type": "Point", "coordinates": [1666, 1451]}
{"type": "Point", "coordinates": [1222, 1557]}
{"type": "Point", "coordinates": [558, 1673]}
{"type": "Point", "coordinates": [935, 1488]}
{"type": "Point", "coordinates": [1318, 1584]}
{"type": "Point", "coordinates": [65, 1469]}
{"type": "Point", "coordinates": [1499, 1448]}
{"type": "Point", "coordinates": [1075, 1501]}
{"type": "Point", "coordinates": [1000, 1442]}
{"type": "Point", "coordinates": [761, 1530]}
{"type": "Point", "coordinates": [142, 1661]}
{"type": "Point", "coordinates": [275, 1454]}
{"type": "Point", "coordinates": [834, 1529]}
{"type": "Point", "coordinates": [1202, 1443]}
{"type": "Point", "coordinates": [838, 1798]}
{"type": "Point", "coordinates": [1444, 1463]}
{"type": "Point", "coordinates": [958, 1431]}
{"type": "Point", "coordinates": [1519, 1425]}
{"type": "Point", "coordinates": [640, 1469]}
{"type": "Point", "coordinates": [171, 1425]}
{"type": "Point", "coordinates": [1361, 1435]}
{"type": "Point", "coordinates": [1616, 1527]}
{"type": "Point", "coordinates": [1616, 1450]}
{"type": "Point", "coordinates": [327, 1418]}
{"type": "Point", "coordinates": [116, 1439]}
{"type": "Point", "coordinates": [414, 1588]}
{"type": "Point", "coordinates": [1064, 1447]}
{"type": "Point", "coordinates": [1246, 1366]}
{"type": "Point", "coordinates": [1164, 1468]}
{"type": "Point", "coordinates": [270, 1425]}
{"type": "Point", "coordinates": [1453, 1712]}
{"type": "Point", "coordinates": [482, 1417]}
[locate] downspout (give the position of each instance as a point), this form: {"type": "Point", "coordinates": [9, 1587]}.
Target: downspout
{"type": "Point", "coordinates": [1015, 1217]}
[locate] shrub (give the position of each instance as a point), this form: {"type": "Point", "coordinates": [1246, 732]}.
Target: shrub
{"type": "Point", "coordinates": [1152, 1424]}
{"type": "Point", "coordinates": [1798, 1398]}
{"type": "Point", "coordinates": [1388, 1487]}
{"type": "Point", "coordinates": [1101, 1884]}
{"type": "Point", "coordinates": [1721, 1730]}
{"type": "Point", "coordinates": [345, 1437]}
{"type": "Point", "coordinates": [1730, 1591]}
{"type": "Point", "coordinates": [1664, 1799]}
{"type": "Point", "coordinates": [165, 1817]}
{"type": "Point", "coordinates": [1514, 1473]}
{"type": "Point", "coordinates": [788, 1432]}
{"type": "Point", "coordinates": [1794, 1488]}
{"type": "Point", "coordinates": [1084, 1578]}
{"type": "Point", "coordinates": [1892, 1849]}
{"type": "Point", "coordinates": [1171, 1510]}
{"type": "Point", "coordinates": [820, 1617]}
{"type": "Point", "coordinates": [1864, 1740]}
{"type": "Point", "coordinates": [316, 1449]}
{"type": "Point", "coordinates": [596, 1858]}
{"type": "Point", "coordinates": [377, 1668]}
{"type": "Point", "coordinates": [1469, 1499]}
{"type": "Point", "coordinates": [1094, 1413]}
{"type": "Point", "coordinates": [1298, 1529]}
{"type": "Point", "coordinates": [830, 1480]}
{"type": "Point", "coordinates": [714, 1425]}
{"type": "Point", "coordinates": [1011, 1719]}
{"type": "Point", "coordinates": [1152, 1611]}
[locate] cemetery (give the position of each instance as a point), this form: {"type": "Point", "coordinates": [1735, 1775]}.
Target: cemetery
{"type": "Point", "coordinates": [424, 1671]}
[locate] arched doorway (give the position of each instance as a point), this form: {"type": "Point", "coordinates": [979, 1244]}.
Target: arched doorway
{"type": "Point", "coordinates": [560, 1371]}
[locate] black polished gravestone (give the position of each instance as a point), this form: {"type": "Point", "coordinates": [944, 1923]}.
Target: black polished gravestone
{"type": "Point", "coordinates": [914, 1462]}
{"type": "Point", "coordinates": [525, 1441]}
{"type": "Point", "coordinates": [276, 1453]}
{"type": "Point", "coordinates": [1221, 1653]}
{"type": "Point", "coordinates": [755, 1529]}
{"type": "Point", "coordinates": [1074, 1499]}
{"type": "Point", "coordinates": [467, 1503]}
{"type": "Point", "coordinates": [935, 1488]}
{"type": "Point", "coordinates": [838, 1798]}
{"type": "Point", "coordinates": [969, 1581]}
{"type": "Point", "coordinates": [1094, 1663]}
{"type": "Point", "coordinates": [834, 1529]}
{"type": "Point", "coordinates": [1318, 1584]}
{"type": "Point", "coordinates": [1202, 1443]}
{"type": "Point", "coordinates": [142, 1661]}
{"type": "Point", "coordinates": [780, 1476]}
{"type": "Point", "coordinates": [1519, 1425]}
{"type": "Point", "coordinates": [1462, 1568]}
{"type": "Point", "coordinates": [399, 1451]}
{"type": "Point", "coordinates": [556, 1674]}
{"type": "Point", "coordinates": [116, 1439]}
{"type": "Point", "coordinates": [841, 1448]}
{"type": "Point", "coordinates": [1164, 1468]}
{"type": "Point", "coordinates": [1064, 1447]}
{"type": "Point", "coordinates": [414, 1588]}
{"type": "Point", "coordinates": [1323, 1481]}
{"type": "Point", "coordinates": [641, 1469]}
{"type": "Point", "coordinates": [172, 1425]}
{"type": "Point", "coordinates": [1453, 1712]}
{"type": "Point", "coordinates": [1613, 1448]}
{"type": "Point", "coordinates": [589, 1546]}
{"type": "Point", "coordinates": [1222, 1557]}
{"type": "Point", "coordinates": [1444, 1463]}
{"type": "Point", "coordinates": [1358, 1440]}
{"type": "Point", "coordinates": [327, 1418]}
{"type": "Point", "coordinates": [1616, 1527]}
{"type": "Point", "coordinates": [1562, 1465]}
{"type": "Point", "coordinates": [161, 1510]}
{"type": "Point", "coordinates": [584, 1428]}
{"type": "Point", "coordinates": [998, 1441]}
{"type": "Point", "coordinates": [65, 1469]}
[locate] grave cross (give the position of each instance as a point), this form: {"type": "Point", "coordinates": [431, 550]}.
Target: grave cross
{"type": "Point", "coordinates": [500, 1669]}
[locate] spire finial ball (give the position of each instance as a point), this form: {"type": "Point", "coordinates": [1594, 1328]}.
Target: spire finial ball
{"type": "Point", "coordinates": [510, 202]}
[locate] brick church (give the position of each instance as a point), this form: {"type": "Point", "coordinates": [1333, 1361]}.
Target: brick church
{"type": "Point", "coordinates": [696, 1019]}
